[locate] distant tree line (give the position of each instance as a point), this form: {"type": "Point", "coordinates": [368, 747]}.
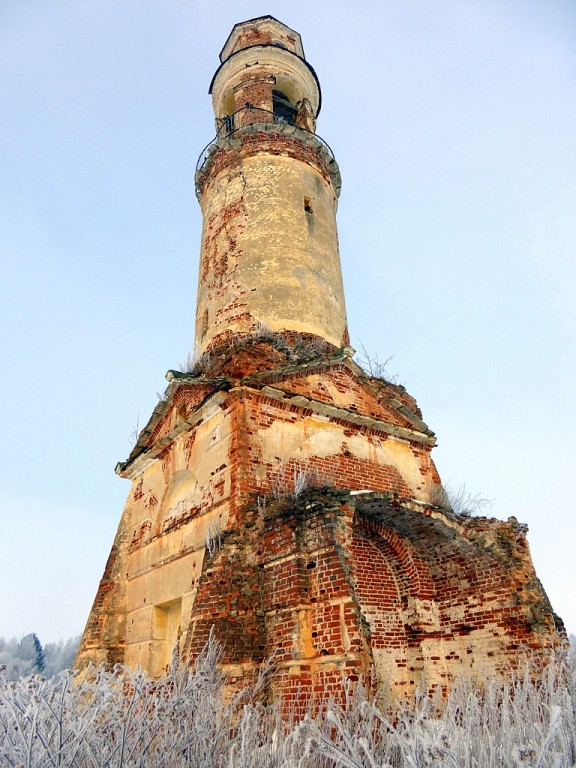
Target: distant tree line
{"type": "Point", "coordinates": [27, 656]}
{"type": "Point", "coordinates": [20, 658]}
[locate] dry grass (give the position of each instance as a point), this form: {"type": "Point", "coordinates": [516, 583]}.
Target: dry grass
{"type": "Point", "coordinates": [122, 719]}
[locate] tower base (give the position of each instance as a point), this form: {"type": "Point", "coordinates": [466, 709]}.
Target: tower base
{"type": "Point", "coordinates": [286, 500]}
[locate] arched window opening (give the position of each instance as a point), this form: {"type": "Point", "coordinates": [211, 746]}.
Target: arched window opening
{"type": "Point", "coordinates": [284, 112]}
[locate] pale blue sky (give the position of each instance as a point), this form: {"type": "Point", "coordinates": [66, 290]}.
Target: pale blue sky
{"type": "Point", "coordinates": [453, 123]}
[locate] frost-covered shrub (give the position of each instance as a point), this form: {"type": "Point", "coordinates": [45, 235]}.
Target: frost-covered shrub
{"type": "Point", "coordinates": [122, 719]}
{"type": "Point", "coordinates": [518, 725]}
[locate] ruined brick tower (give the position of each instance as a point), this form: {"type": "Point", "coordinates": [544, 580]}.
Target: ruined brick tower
{"type": "Point", "coordinates": [280, 495]}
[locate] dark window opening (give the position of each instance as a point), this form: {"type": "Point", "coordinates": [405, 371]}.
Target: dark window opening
{"type": "Point", "coordinates": [204, 328]}
{"type": "Point", "coordinates": [284, 112]}
{"type": "Point", "coordinates": [308, 205]}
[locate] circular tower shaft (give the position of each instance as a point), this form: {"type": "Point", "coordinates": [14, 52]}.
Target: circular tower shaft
{"type": "Point", "coordinates": [268, 188]}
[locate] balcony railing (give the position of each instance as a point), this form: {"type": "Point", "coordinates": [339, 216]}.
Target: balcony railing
{"type": "Point", "coordinates": [234, 124]}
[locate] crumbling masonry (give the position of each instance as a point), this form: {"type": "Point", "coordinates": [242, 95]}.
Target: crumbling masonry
{"type": "Point", "coordinates": [280, 495]}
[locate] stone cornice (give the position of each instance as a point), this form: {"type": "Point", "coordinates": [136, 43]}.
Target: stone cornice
{"type": "Point", "coordinates": [143, 454]}
{"type": "Point", "coordinates": [344, 360]}
{"type": "Point", "coordinates": [343, 414]}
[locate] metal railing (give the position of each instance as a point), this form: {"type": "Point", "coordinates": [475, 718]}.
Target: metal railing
{"type": "Point", "coordinates": [229, 127]}
{"type": "Point", "coordinates": [228, 124]}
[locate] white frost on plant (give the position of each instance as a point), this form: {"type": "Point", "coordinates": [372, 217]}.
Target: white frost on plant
{"type": "Point", "coordinates": [122, 719]}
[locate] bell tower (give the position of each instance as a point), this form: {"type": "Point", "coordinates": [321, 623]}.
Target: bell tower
{"type": "Point", "coordinates": [281, 497]}
{"type": "Point", "coordinates": [268, 187]}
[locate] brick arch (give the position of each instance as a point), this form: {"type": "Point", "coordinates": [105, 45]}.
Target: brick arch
{"type": "Point", "coordinates": [413, 570]}
{"type": "Point", "coordinates": [467, 588]}
{"type": "Point", "coordinates": [379, 590]}
{"type": "Point", "coordinates": [397, 597]}
{"type": "Point", "coordinates": [440, 560]}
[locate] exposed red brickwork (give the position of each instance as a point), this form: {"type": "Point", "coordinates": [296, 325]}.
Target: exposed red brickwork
{"type": "Point", "coordinates": [241, 355]}
{"type": "Point", "coordinates": [412, 570]}
{"type": "Point", "coordinates": [322, 607]}
{"type": "Point", "coordinates": [287, 566]}
{"type": "Point", "coordinates": [140, 534]}
{"type": "Point", "coordinates": [183, 404]}
{"type": "Point", "coordinates": [258, 93]}
{"type": "Point", "coordinates": [340, 469]}
{"type": "Point", "coordinates": [252, 36]}
{"type": "Point", "coordinates": [178, 518]}
{"type": "Point", "coordinates": [228, 591]}
{"type": "Point", "coordinates": [102, 630]}
{"type": "Point", "coordinates": [230, 154]}
{"type": "Point", "coordinates": [479, 591]}
{"type": "Point", "coordinates": [327, 583]}
{"type": "Point", "coordinates": [215, 258]}
{"type": "Point", "coordinates": [379, 592]}
{"type": "Point", "coordinates": [355, 396]}
{"type": "Point", "coordinates": [281, 497]}
{"type": "Point", "coordinates": [261, 32]}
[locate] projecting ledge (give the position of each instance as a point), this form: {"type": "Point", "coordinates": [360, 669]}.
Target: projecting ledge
{"type": "Point", "coordinates": [244, 137]}
{"type": "Point", "coordinates": [337, 412]}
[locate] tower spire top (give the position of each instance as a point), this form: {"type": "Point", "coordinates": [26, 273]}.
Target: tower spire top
{"type": "Point", "coordinates": [263, 30]}
{"type": "Point", "coordinates": [265, 44]}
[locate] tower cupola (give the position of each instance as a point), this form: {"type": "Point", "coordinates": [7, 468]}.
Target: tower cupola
{"type": "Point", "coordinates": [264, 77]}
{"type": "Point", "coordinates": [268, 187]}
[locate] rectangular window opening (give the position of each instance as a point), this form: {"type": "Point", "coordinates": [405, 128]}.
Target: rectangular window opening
{"type": "Point", "coordinates": [166, 635]}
